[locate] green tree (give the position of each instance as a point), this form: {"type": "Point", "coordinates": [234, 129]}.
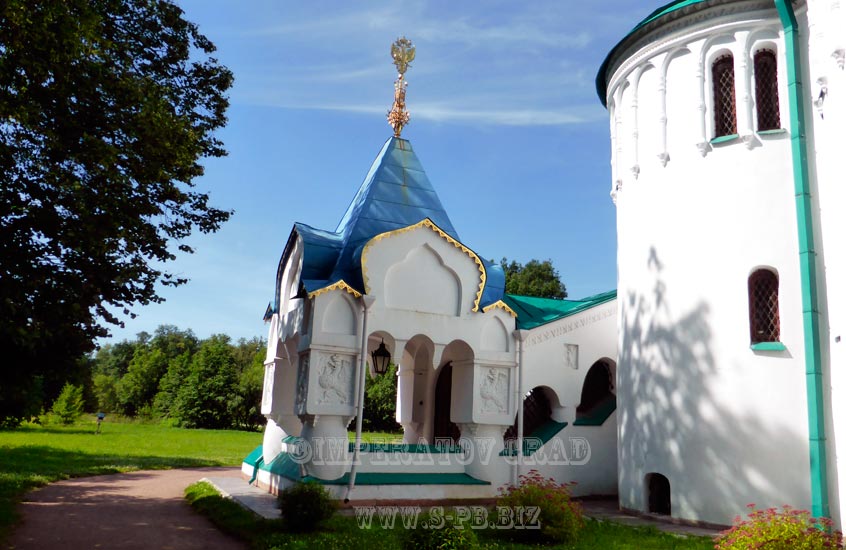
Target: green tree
{"type": "Point", "coordinates": [536, 278]}
{"type": "Point", "coordinates": [113, 359]}
{"type": "Point", "coordinates": [166, 400]}
{"type": "Point", "coordinates": [204, 399]}
{"type": "Point", "coordinates": [107, 107]}
{"type": "Point", "coordinates": [380, 401]}
{"type": "Point", "coordinates": [105, 392]}
{"type": "Point", "coordinates": [69, 405]}
{"type": "Point", "coordinates": [246, 404]}
{"type": "Point", "coordinates": [138, 387]}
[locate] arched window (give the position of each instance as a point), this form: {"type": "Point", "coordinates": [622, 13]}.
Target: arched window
{"type": "Point", "coordinates": [598, 399]}
{"type": "Point", "coordinates": [725, 111]}
{"type": "Point", "coordinates": [766, 90]}
{"type": "Point", "coordinates": [537, 411]}
{"type": "Point", "coordinates": [763, 307]}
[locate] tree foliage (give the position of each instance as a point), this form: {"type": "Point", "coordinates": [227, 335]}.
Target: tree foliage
{"type": "Point", "coordinates": [68, 407]}
{"type": "Point", "coordinates": [380, 401]}
{"type": "Point", "coordinates": [204, 399]}
{"type": "Point", "coordinates": [106, 109]}
{"type": "Point", "coordinates": [535, 278]}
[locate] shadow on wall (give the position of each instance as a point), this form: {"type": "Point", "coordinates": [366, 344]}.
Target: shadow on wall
{"type": "Point", "coordinates": [683, 416]}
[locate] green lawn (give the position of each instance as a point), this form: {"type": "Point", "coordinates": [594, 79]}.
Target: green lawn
{"type": "Point", "coordinates": [377, 437]}
{"type": "Point", "coordinates": [34, 455]}
{"type": "Point", "coordinates": [343, 532]}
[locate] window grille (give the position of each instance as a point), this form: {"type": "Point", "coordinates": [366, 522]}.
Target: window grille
{"type": "Point", "coordinates": [537, 411]}
{"type": "Point", "coordinates": [766, 90]}
{"type": "Point", "coordinates": [763, 307]}
{"type": "Point", "coordinates": [725, 109]}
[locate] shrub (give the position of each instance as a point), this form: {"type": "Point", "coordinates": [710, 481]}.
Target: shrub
{"type": "Point", "coordinates": [305, 505]}
{"type": "Point", "coordinates": [440, 532]}
{"type": "Point", "coordinates": [560, 518]}
{"type": "Point", "coordinates": [787, 529]}
{"type": "Point", "coordinates": [68, 406]}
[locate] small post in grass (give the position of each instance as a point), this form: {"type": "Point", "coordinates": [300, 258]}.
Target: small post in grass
{"type": "Point", "coordinates": [100, 417]}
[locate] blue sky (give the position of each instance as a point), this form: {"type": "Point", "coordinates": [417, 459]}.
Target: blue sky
{"type": "Point", "coordinates": [504, 118]}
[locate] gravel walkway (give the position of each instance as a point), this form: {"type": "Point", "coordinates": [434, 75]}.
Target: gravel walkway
{"type": "Point", "coordinates": [139, 510]}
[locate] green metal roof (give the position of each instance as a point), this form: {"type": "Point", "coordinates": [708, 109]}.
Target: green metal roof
{"type": "Point", "coordinates": [601, 76]}
{"type": "Point", "coordinates": [533, 312]}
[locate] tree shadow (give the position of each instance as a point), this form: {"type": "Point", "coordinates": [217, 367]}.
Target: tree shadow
{"type": "Point", "coordinates": [703, 425]}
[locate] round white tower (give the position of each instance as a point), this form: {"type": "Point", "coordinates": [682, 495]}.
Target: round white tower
{"type": "Point", "coordinates": [716, 282]}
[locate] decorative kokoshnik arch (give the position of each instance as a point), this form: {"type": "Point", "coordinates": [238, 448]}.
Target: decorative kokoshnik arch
{"type": "Point", "coordinates": [427, 223]}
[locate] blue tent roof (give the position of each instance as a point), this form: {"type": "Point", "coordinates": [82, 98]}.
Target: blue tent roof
{"type": "Point", "coordinates": [395, 193]}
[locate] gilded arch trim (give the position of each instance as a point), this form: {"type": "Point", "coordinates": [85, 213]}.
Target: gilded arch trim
{"type": "Point", "coordinates": [501, 305]}
{"type": "Point", "coordinates": [340, 285]}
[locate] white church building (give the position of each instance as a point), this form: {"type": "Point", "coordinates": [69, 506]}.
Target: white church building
{"type": "Point", "coordinates": [394, 282]}
{"type": "Point", "coordinates": [711, 378]}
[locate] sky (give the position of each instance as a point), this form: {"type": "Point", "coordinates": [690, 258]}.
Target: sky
{"type": "Point", "coordinates": [504, 118]}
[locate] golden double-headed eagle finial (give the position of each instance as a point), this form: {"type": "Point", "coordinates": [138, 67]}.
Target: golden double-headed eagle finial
{"type": "Point", "coordinates": [402, 52]}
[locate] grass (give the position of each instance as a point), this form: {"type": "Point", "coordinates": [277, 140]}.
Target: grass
{"type": "Point", "coordinates": [33, 455]}
{"type": "Point", "coordinates": [343, 531]}
{"type": "Point", "coordinates": [377, 437]}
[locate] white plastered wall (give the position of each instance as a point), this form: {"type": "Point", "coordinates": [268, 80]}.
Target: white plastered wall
{"type": "Point", "coordinates": [548, 364]}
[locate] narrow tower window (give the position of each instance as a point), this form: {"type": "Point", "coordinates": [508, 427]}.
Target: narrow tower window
{"type": "Point", "coordinates": [766, 90]}
{"type": "Point", "coordinates": [763, 307]}
{"type": "Point", "coordinates": [725, 111]}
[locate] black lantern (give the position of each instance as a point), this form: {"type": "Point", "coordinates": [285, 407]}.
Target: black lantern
{"type": "Point", "coordinates": [381, 358]}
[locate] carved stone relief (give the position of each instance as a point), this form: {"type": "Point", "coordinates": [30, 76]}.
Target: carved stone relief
{"type": "Point", "coordinates": [571, 356]}
{"type": "Point", "coordinates": [302, 384]}
{"type": "Point", "coordinates": [334, 378]}
{"type": "Point", "coordinates": [494, 390]}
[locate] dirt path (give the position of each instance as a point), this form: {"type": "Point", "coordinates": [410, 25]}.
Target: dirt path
{"type": "Point", "coordinates": [139, 510]}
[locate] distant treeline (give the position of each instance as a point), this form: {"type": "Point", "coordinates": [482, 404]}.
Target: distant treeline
{"type": "Point", "coordinates": [174, 376]}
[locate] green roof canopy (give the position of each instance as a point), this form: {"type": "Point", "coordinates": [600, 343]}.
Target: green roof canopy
{"type": "Point", "coordinates": [533, 312]}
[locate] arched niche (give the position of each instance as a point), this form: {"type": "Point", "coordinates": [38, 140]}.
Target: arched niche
{"type": "Point", "coordinates": [494, 335]}
{"type": "Point", "coordinates": [422, 282]}
{"type": "Point", "coordinates": [658, 494]}
{"type": "Point", "coordinates": [339, 316]}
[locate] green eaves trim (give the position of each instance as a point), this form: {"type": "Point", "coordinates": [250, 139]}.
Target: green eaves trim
{"type": "Point", "coordinates": [768, 346]}
{"type": "Point", "coordinates": [533, 311]}
{"type": "Point", "coordinates": [377, 478]}
{"type": "Point", "coordinates": [283, 465]}
{"type": "Point", "coordinates": [599, 414]}
{"type": "Point", "coordinates": [724, 139]}
{"type": "Point", "coordinates": [254, 456]}
{"type": "Point", "coordinates": [601, 76]}
{"type": "Point", "coordinates": [543, 433]}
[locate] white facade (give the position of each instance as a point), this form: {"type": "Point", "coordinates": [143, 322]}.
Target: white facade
{"type": "Point", "coordinates": [697, 214]}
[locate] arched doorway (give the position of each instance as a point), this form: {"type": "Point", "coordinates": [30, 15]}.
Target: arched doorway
{"type": "Point", "coordinates": [598, 400]}
{"type": "Point", "coordinates": [537, 411]}
{"type": "Point", "coordinates": [658, 494]}
{"type": "Point", "coordinates": [444, 428]}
